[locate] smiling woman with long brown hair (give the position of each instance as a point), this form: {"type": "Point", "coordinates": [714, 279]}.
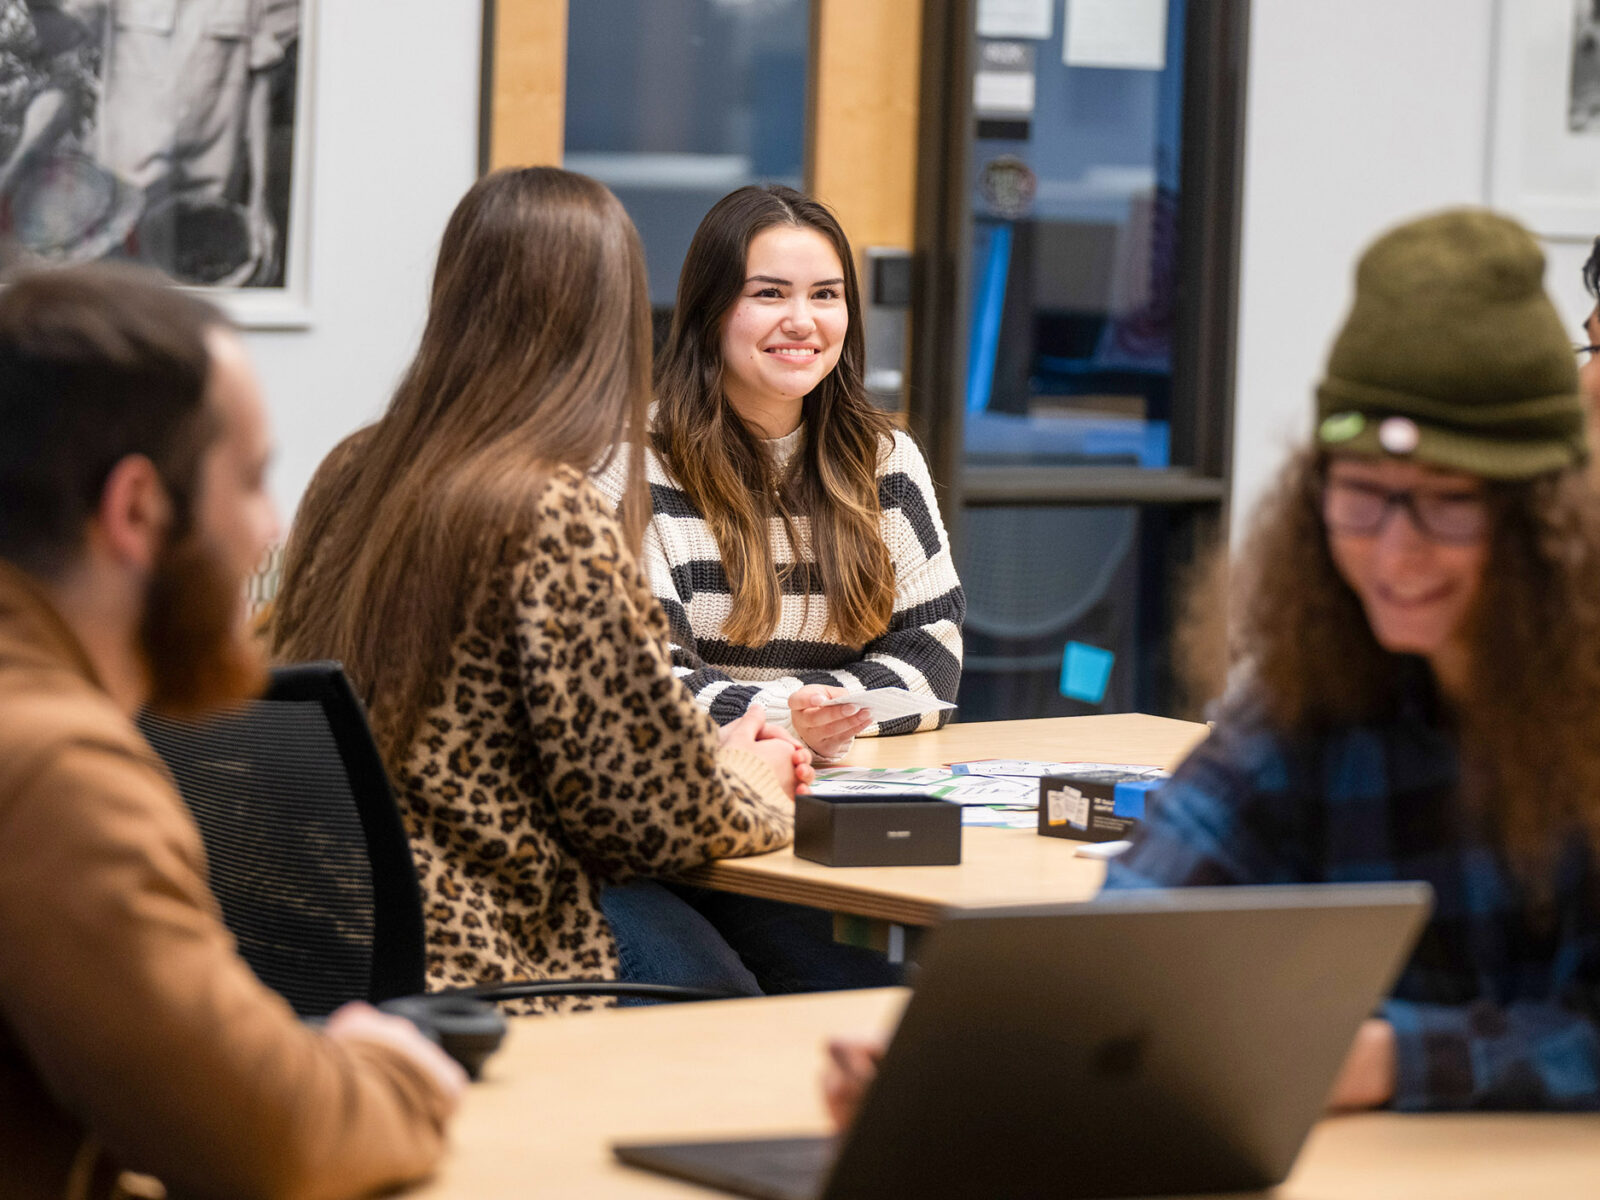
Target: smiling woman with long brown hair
{"type": "Point", "coordinates": [487, 605]}
{"type": "Point", "coordinates": [795, 541]}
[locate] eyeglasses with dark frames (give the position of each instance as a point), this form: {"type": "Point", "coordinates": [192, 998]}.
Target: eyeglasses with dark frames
{"type": "Point", "coordinates": [1362, 510]}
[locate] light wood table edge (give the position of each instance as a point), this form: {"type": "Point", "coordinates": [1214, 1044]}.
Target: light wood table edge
{"type": "Point", "coordinates": [839, 893]}
{"type": "Point", "coordinates": [862, 901]}
{"type": "Point", "coordinates": [888, 893]}
{"type": "Point", "coordinates": [565, 1089]}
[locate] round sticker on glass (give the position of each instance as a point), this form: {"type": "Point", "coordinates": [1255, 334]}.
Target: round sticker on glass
{"type": "Point", "coordinates": [1009, 185]}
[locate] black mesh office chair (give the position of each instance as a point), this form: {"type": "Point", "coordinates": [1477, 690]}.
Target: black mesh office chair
{"type": "Point", "coordinates": [1036, 578]}
{"type": "Point", "coordinates": [309, 859]}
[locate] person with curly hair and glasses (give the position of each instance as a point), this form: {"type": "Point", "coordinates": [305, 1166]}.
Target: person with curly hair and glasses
{"type": "Point", "coordinates": [1416, 686]}
{"type": "Point", "coordinates": [1418, 697]}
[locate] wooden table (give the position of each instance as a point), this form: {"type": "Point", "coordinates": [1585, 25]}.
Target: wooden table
{"type": "Point", "coordinates": [564, 1088]}
{"type": "Point", "coordinates": [998, 866]}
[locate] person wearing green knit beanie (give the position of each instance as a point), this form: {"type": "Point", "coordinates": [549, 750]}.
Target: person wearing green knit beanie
{"type": "Point", "coordinates": [1451, 332]}
{"type": "Point", "coordinates": [1415, 695]}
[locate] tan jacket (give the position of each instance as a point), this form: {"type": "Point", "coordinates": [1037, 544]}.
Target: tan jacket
{"type": "Point", "coordinates": [131, 1034]}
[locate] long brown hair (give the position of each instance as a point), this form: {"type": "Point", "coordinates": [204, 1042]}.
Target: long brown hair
{"type": "Point", "coordinates": [727, 472]}
{"type": "Point", "coordinates": [536, 354]}
{"type": "Point", "coordinates": [1530, 733]}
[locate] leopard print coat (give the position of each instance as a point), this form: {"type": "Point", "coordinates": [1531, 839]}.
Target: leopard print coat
{"type": "Point", "coordinates": [562, 753]}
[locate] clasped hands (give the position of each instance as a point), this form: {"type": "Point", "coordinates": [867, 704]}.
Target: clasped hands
{"type": "Point", "coordinates": [781, 750]}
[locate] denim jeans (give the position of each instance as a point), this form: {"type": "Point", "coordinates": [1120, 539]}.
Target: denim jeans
{"type": "Point", "coordinates": [788, 947]}
{"type": "Point", "coordinates": [661, 939]}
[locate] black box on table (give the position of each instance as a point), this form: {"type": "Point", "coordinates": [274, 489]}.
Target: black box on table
{"type": "Point", "coordinates": [877, 831]}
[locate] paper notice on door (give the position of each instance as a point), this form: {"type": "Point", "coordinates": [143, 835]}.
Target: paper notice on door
{"type": "Point", "coordinates": [1131, 34]}
{"type": "Point", "coordinates": [1003, 84]}
{"type": "Point", "coordinates": [1015, 18]}
{"type": "Point", "coordinates": [999, 94]}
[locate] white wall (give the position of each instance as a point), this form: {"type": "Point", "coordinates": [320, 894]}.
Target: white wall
{"type": "Point", "coordinates": [395, 119]}
{"type": "Point", "coordinates": [1362, 113]}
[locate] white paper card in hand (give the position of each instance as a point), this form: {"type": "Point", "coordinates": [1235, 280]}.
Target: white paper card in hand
{"type": "Point", "coordinates": [885, 704]}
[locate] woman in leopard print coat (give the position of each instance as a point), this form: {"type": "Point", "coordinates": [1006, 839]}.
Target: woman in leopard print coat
{"type": "Point", "coordinates": [487, 604]}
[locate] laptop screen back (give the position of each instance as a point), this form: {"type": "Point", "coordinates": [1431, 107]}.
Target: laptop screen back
{"type": "Point", "coordinates": [1149, 1043]}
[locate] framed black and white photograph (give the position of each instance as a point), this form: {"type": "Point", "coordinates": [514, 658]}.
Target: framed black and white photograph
{"type": "Point", "coordinates": [173, 133]}
{"type": "Point", "coordinates": [1544, 163]}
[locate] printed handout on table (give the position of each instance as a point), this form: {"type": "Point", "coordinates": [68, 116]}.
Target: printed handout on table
{"type": "Point", "coordinates": [999, 818]}
{"type": "Point", "coordinates": [981, 789]}
{"type": "Point", "coordinates": [1024, 769]}
{"type": "Point", "coordinates": [935, 782]}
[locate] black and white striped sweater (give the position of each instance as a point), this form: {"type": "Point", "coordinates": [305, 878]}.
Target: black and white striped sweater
{"type": "Point", "coordinates": [921, 651]}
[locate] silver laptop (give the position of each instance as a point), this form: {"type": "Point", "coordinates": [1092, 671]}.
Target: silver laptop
{"type": "Point", "coordinates": [1148, 1043]}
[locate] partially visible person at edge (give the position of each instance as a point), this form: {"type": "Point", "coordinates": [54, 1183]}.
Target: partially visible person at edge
{"type": "Point", "coordinates": [132, 1037]}
{"type": "Point", "coordinates": [1589, 348]}
{"type": "Point", "coordinates": [489, 609]}
{"type": "Point", "coordinates": [795, 541]}
{"type": "Point", "coordinates": [1418, 697]}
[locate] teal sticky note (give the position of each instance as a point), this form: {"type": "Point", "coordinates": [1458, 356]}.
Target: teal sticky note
{"type": "Point", "coordinates": [1085, 671]}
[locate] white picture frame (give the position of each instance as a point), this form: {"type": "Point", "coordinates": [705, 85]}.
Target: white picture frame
{"type": "Point", "coordinates": [1542, 169]}
{"type": "Point", "coordinates": [135, 168]}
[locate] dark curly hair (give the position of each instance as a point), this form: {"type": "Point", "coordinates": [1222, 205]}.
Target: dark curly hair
{"type": "Point", "coordinates": [1530, 733]}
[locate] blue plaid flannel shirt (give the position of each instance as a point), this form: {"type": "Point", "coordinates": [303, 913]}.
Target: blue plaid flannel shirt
{"type": "Point", "coordinates": [1495, 1010]}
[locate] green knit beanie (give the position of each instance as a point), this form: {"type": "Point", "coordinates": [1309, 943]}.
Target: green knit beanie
{"type": "Point", "coordinates": [1453, 355]}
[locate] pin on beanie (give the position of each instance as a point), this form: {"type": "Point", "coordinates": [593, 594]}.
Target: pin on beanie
{"type": "Point", "coordinates": [1453, 355]}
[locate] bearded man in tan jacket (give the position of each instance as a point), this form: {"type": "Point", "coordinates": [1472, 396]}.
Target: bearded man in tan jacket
{"type": "Point", "coordinates": [135, 1045]}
